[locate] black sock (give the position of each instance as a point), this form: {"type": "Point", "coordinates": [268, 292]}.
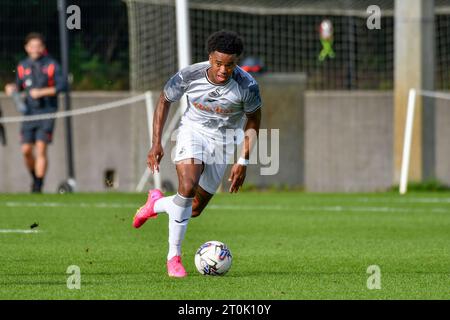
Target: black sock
{"type": "Point", "coordinates": [33, 174]}
{"type": "Point", "coordinates": [38, 182]}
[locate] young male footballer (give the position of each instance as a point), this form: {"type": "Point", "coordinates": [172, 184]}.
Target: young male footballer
{"type": "Point", "coordinates": [40, 78]}
{"type": "Point", "coordinates": [221, 98]}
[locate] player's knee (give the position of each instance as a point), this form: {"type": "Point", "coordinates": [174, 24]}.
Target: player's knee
{"type": "Point", "coordinates": [188, 187]}
{"type": "Point", "coordinates": [27, 151]}
{"type": "Point", "coordinates": [41, 150]}
{"type": "Point", "coordinates": [196, 212]}
{"type": "Point", "coordinates": [40, 154]}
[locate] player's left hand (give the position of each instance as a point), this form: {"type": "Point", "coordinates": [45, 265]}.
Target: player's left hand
{"type": "Point", "coordinates": [35, 93]}
{"type": "Point", "coordinates": [237, 177]}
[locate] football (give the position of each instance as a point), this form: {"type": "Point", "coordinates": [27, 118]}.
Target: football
{"type": "Point", "coordinates": [213, 258]}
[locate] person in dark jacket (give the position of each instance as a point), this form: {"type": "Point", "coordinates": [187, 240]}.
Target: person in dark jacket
{"type": "Point", "coordinates": [39, 79]}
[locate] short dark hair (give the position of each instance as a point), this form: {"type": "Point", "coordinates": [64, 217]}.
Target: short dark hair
{"type": "Point", "coordinates": [34, 35]}
{"type": "Point", "coordinates": [224, 41]}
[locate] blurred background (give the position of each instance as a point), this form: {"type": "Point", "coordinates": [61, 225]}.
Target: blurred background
{"type": "Point", "coordinates": [338, 96]}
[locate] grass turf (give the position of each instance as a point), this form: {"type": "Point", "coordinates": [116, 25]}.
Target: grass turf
{"type": "Point", "coordinates": [285, 245]}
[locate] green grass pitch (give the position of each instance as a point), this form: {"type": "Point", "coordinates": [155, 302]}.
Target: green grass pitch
{"type": "Point", "coordinates": [285, 245]}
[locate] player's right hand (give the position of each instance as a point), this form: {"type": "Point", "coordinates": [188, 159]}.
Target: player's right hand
{"type": "Point", "coordinates": [154, 157]}
{"type": "Point", "coordinates": [10, 88]}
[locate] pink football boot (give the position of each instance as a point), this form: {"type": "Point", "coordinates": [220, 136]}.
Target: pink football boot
{"type": "Point", "coordinates": [175, 268]}
{"type": "Point", "coordinates": [146, 211]}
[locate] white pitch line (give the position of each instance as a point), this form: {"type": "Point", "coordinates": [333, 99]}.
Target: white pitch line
{"type": "Point", "coordinates": [405, 200]}
{"type": "Point", "coordinates": [18, 231]}
{"type": "Point", "coordinates": [67, 205]}
{"type": "Point", "coordinates": [234, 207]}
{"type": "Point", "coordinates": [328, 208]}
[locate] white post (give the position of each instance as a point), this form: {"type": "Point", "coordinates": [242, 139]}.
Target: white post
{"type": "Point", "coordinates": [183, 41]}
{"type": "Point", "coordinates": [164, 141]}
{"type": "Point", "coordinates": [150, 110]}
{"type": "Point", "coordinates": [183, 34]}
{"type": "Point", "coordinates": [156, 176]}
{"type": "Point", "coordinates": [407, 141]}
{"type": "Point", "coordinates": [149, 102]}
{"type": "Point", "coordinates": [184, 59]}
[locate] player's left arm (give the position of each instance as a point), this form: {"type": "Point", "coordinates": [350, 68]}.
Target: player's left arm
{"type": "Point", "coordinates": [37, 93]}
{"type": "Point", "coordinates": [238, 172]}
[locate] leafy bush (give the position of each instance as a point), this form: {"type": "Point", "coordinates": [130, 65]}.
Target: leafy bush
{"type": "Point", "coordinates": [91, 72]}
{"type": "Point", "coordinates": [427, 185]}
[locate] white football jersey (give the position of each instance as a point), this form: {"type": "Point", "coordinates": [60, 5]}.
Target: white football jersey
{"type": "Point", "coordinates": [212, 108]}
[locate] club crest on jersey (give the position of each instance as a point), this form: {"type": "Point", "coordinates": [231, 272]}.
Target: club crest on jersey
{"type": "Point", "coordinates": [216, 93]}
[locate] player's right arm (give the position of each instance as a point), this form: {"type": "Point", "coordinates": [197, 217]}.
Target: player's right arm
{"type": "Point", "coordinates": [159, 119]}
{"type": "Point", "coordinates": [173, 91]}
{"type": "Point", "coordinates": [10, 88]}
{"type": "Point", "coordinates": [13, 89]}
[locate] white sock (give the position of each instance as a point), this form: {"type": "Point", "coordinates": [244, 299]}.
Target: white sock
{"type": "Point", "coordinates": [163, 204]}
{"type": "Point", "coordinates": [179, 209]}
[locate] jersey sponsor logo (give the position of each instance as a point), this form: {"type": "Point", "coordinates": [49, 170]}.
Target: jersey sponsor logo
{"type": "Point", "coordinates": [212, 109]}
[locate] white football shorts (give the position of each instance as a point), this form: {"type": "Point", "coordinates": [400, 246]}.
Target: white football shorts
{"type": "Point", "coordinates": [215, 155]}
